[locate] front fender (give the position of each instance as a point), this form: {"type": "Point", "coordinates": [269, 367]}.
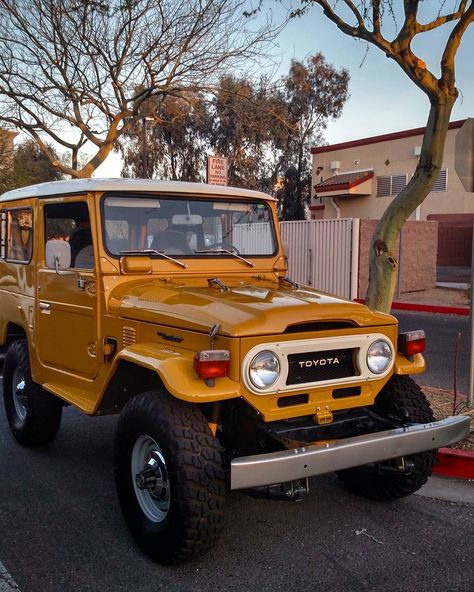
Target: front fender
{"type": "Point", "coordinates": [175, 369]}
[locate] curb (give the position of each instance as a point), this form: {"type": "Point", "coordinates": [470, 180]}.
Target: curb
{"type": "Point", "coordinates": [436, 308]}
{"type": "Point", "coordinates": [454, 463]}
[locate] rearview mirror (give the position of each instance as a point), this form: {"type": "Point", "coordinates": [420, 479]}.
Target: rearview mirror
{"type": "Point", "coordinates": [186, 220]}
{"type": "Point", "coordinates": [58, 254]}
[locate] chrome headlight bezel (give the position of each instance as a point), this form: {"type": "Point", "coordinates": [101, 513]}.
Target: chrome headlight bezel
{"type": "Point", "coordinates": [379, 356]}
{"type": "Point", "coordinates": [264, 370]}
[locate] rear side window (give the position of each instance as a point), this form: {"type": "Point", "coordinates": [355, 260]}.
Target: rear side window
{"type": "Point", "coordinates": [17, 235]}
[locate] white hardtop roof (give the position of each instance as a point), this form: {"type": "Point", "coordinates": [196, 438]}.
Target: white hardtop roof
{"type": "Point", "coordinates": [78, 186]}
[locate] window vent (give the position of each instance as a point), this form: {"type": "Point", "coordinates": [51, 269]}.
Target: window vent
{"type": "Point", "coordinates": [442, 181]}
{"type": "Point", "coordinates": [384, 186]}
{"type": "Point", "coordinates": [399, 183]}
{"type": "Point", "coordinates": [391, 184]}
{"type": "Point", "coordinates": [129, 336]}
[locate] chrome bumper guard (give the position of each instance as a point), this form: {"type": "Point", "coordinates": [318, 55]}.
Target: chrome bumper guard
{"type": "Point", "coordinates": [317, 459]}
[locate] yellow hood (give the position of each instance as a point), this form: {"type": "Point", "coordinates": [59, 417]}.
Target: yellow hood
{"type": "Point", "coordinates": [263, 308]}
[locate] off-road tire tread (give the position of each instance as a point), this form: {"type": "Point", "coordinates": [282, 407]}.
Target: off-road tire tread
{"type": "Point", "coordinates": [43, 410]}
{"type": "Point", "coordinates": [194, 461]}
{"type": "Point", "coordinates": [404, 399]}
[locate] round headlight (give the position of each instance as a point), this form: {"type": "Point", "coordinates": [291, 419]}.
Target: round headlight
{"type": "Point", "coordinates": [264, 369]}
{"type": "Point", "coordinates": [379, 356]}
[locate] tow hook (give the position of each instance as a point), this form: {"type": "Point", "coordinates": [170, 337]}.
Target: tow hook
{"type": "Point", "coordinates": [292, 491]}
{"type": "Point", "coordinates": [399, 465]}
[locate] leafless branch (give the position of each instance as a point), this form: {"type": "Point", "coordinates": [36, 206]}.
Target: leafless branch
{"type": "Point", "coordinates": [70, 69]}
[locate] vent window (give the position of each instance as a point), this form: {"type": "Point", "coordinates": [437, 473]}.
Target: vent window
{"type": "Point", "coordinates": [17, 235]}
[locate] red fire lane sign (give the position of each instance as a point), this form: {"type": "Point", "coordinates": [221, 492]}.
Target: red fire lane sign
{"type": "Point", "coordinates": [216, 170]}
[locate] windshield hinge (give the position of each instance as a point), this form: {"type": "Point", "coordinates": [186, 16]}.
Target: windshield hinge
{"type": "Point", "coordinates": [216, 283]}
{"type": "Point", "coordinates": [289, 281]}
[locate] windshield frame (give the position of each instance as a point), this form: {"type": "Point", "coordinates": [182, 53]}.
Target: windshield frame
{"type": "Point", "coordinates": [221, 254]}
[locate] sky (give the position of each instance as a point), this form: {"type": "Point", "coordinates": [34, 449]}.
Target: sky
{"type": "Point", "coordinates": [382, 98]}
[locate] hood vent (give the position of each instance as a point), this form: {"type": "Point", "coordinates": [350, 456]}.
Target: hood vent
{"type": "Point", "coordinates": [320, 326]}
{"type": "Point", "coordinates": [129, 336]}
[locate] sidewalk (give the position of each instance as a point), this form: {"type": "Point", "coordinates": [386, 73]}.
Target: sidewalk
{"type": "Point", "coordinates": [445, 296]}
{"type": "Point", "coordinates": [449, 489]}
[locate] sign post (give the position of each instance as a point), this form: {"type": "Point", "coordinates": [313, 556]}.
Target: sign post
{"type": "Point", "coordinates": [216, 170]}
{"type": "Point", "coordinates": [464, 153]}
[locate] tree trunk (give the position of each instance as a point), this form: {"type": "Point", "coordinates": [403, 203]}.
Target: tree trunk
{"type": "Point", "coordinates": [383, 264]}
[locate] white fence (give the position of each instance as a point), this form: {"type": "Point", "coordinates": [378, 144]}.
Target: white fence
{"type": "Point", "coordinates": [253, 238]}
{"type": "Point", "coordinates": [323, 254]}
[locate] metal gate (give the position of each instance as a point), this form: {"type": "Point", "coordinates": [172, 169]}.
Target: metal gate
{"type": "Point", "coordinates": [324, 254]}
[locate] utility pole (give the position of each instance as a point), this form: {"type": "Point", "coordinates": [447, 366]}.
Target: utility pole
{"type": "Point", "coordinates": [144, 171]}
{"type": "Point", "coordinates": [470, 390]}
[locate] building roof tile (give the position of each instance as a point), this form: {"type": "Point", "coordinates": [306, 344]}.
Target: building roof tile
{"type": "Point", "coordinates": [343, 181]}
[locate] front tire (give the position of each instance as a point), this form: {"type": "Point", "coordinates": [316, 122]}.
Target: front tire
{"type": "Point", "coordinates": [401, 400]}
{"type": "Point", "coordinates": [33, 414]}
{"type": "Point", "coordinates": [169, 477]}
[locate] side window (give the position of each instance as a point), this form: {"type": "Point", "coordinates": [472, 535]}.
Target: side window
{"type": "Point", "coordinates": [17, 228]}
{"type": "Point", "coordinates": [71, 222]}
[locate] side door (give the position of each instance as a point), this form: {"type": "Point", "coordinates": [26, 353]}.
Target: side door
{"type": "Point", "coordinates": [66, 301]}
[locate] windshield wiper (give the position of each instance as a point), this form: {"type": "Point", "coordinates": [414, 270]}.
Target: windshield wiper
{"type": "Point", "coordinates": [228, 252]}
{"type": "Point", "coordinates": [153, 252]}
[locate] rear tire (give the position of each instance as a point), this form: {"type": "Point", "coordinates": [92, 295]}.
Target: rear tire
{"type": "Point", "coordinates": [33, 414]}
{"type": "Point", "coordinates": [169, 477]}
{"type": "Point", "coordinates": [401, 399]}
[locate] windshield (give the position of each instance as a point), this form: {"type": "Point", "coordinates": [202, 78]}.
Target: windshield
{"type": "Point", "coordinates": [187, 227]}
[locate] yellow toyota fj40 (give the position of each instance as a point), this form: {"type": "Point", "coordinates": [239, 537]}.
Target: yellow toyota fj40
{"type": "Point", "coordinates": [170, 304]}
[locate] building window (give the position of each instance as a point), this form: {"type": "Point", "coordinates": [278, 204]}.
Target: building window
{"type": "Point", "coordinates": [391, 184]}
{"type": "Point", "coordinates": [442, 181]}
{"type": "Point", "coordinates": [17, 237]}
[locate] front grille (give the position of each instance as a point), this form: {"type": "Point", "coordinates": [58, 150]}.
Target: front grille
{"type": "Point", "coordinates": [321, 365]}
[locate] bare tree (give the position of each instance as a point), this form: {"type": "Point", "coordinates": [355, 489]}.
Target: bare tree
{"type": "Point", "coordinates": [85, 71]}
{"type": "Point", "coordinates": [367, 20]}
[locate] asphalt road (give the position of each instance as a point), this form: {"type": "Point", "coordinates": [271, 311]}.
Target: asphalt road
{"type": "Point", "coordinates": [61, 529]}
{"type": "Point", "coordinates": [441, 332]}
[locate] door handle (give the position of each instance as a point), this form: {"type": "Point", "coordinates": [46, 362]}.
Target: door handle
{"type": "Point", "coordinates": [44, 307]}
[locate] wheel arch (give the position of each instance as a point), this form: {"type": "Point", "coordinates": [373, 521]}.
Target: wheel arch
{"type": "Point", "coordinates": [148, 366]}
{"type": "Point", "coordinates": [128, 379]}
{"type": "Point", "coordinates": [11, 332]}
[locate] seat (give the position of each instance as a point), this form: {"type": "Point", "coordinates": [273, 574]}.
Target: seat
{"type": "Point", "coordinates": [80, 238]}
{"type": "Point", "coordinates": [116, 245]}
{"type": "Point", "coordinates": [171, 242]}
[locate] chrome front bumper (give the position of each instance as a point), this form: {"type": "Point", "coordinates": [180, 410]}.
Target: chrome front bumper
{"type": "Point", "coordinates": [317, 459]}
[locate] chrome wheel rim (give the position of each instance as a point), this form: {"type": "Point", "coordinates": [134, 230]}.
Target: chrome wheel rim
{"type": "Point", "coordinates": [150, 479]}
{"type": "Point", "coordinates": [19, 395]}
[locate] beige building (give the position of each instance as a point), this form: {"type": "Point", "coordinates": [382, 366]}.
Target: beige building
{"type": "Point", "coordinates": [358, 179]}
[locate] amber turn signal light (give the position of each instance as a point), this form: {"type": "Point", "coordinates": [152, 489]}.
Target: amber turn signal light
{"type": "Point", "coordinates": [212, 363]}
{"type": "Point", "coordinates": [412, 342]}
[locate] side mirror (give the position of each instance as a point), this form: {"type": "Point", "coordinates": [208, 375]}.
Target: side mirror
{"type": "Point", "coordinates": [58, 254]}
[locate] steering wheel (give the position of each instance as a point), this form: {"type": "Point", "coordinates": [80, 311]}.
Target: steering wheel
{"type": "Point", "coordinates": [224, 245]}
